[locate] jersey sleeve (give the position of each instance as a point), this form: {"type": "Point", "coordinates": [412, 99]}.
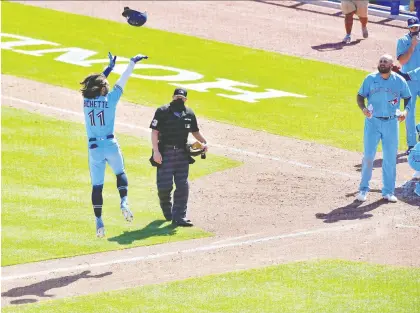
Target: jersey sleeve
{"type": "Point", "coordinates": [405, 90]}
{"type": "Point", "coordinates": [157, 120]}
{"type": "Point", "coordinates": [114, 95]}
{"type": "Point", "coordinates": [364, 88]}
{"type": "Point", "coordinates": [414, 74]}
{"type": "Point", "coordinates": [194, 124]}
{"type": "Point", "coordinates": [401, 48]}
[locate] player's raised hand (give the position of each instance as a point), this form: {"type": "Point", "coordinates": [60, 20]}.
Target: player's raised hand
{"type": "Point", "coordinates": [112, 60]}
{"type": "Point", "coordinates": [395, 68]}
{"type": "Point", "coordinates": [139, 57]}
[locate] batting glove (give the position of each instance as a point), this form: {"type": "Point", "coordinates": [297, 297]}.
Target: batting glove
{"type": "Point", "coordinates": [139, 57]}
{"type": "Point", "coordinates": [112, 60]}
{"type": "Point", "coordinates": [111, 65]}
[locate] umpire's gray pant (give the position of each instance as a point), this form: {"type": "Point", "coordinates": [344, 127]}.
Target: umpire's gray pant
{"type": "Point", "coordinates": [175, 167]}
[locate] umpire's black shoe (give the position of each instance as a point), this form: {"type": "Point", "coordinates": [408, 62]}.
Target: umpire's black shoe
{"type": "Point", "coordinates": [167, 215]}
{"type": "Point", "coordinates": [182, 222]}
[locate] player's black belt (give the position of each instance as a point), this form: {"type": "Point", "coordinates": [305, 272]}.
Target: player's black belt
{"type": "Point", "coordinates": [386, 118]}
{"type": "Point", "coordinates": [107, 137]}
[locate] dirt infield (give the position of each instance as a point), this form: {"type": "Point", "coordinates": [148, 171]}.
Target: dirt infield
{"type": "Point", "coordinates": [294, 203]}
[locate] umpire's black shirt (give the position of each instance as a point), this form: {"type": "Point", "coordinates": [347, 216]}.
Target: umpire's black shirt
{"type": "Point", "coordinates": [173, 126]}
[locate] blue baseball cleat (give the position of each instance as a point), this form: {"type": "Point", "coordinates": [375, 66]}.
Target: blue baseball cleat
{"type": "Point", "coordinates": [100, 228]}
{"type": "Point", "coordinates": [128, 215]}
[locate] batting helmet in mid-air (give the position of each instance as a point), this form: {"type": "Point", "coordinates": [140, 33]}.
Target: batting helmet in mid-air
{"type": "Point", "coordinates": [134, 18]}
{"type": "Point", "coordinates": [414, 157]}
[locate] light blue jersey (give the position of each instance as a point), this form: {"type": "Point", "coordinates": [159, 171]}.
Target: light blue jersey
{"type": "Point", "coordinates": [100, 113]}
{"type": "Point", "coordinates": [103, 146]}
{"type": "Point", "coordinates": [384, 94]}
{"type": "Point", "coordinates": [415, 75]}
{"type": "Point", "coordinates": [403, 44]}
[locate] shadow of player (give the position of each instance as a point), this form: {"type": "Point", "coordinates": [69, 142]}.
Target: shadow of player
{"type": "Point", "coordinates": [353, 211]}
{"type": "Point", "coordinates": [358, 210]}
{"type": "Point", "coordinates": [153, 229]}
{"type": "Point", "coordinates": [335, 45]}
{"type": "Point", "coordinates": [401, 158]}
{"type": "Point", "coordinates": [40, 289]}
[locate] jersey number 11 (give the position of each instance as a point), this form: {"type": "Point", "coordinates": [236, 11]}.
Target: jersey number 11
{"type": "Point", "coordinates": [100, 115]}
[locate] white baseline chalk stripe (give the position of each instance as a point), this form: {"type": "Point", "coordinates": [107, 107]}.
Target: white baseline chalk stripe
{"type": "Point", "coordinates": [240, 151]}
{"type": "Point", "coordinates": [407, 226]}
{"type": "Point", "coordinates": [235, 238]}
{"type": "Point", "coordinates": [185, 251]}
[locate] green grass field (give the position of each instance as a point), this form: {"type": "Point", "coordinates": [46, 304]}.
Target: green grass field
{"type": "Point", "coordinates": [302, 287]}
{"type": "Point", "coordinates": [46, 208]}
{"type": "Point", "coordinates": [328, 115]}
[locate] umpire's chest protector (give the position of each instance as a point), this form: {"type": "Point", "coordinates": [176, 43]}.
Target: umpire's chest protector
{"type": "Point", "coordinates": [175, 128]}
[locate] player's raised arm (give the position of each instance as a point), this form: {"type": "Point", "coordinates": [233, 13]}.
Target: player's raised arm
{"type": "Point", "coordinates": [397, 69]}
{"type": "Point", "coordinates": [111, 65]}
{"type": "Point", "coordinates": [124, 76]}
{"type": "Point", "coordinates": [116, 93]}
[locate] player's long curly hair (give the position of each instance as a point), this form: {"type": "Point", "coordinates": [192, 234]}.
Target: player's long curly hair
{"type": "Point", "coordinates": [92, 85]}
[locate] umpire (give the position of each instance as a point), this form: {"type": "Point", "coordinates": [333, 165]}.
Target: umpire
{"type": "Point", "coordinates": [171, 126]}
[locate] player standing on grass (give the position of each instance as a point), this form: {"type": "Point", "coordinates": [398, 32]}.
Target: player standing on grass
{"type": "Point", "coordinates": [99, 110]}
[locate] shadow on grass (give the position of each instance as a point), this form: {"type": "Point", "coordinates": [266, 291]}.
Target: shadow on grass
{"type": "Point", "coordinates": [153, 229]}
{"type": "Point", "coordinates": [40, 289]}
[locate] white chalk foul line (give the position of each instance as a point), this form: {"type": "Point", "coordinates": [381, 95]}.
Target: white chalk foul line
{"type": "Point", "coordinates": [235, 238]}
{"type": "Point", "coordinates": [210, 247]}
{"type": "Point", "coordinates": [225, 148]}
{"type": "Point", "coordinates": [407, 226]}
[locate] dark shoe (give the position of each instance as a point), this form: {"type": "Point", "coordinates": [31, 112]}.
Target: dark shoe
{"type": "Point", "coordinates": [409, 150]}
{"type": "Point", "coordinates": [168, 218]}
{"type": "Point", "coordinates": [182, 223]}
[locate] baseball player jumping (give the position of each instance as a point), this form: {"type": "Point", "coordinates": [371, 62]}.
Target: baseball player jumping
{"type": "Point", "coordinates": [99, 106]}
{"type": "Point", "coordinates": [383, 90]}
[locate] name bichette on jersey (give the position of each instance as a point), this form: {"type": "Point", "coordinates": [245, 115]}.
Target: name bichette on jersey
{"type": "Point", "coordinates": [99, 104]}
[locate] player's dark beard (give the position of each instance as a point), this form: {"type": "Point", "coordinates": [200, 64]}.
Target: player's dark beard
{"type": "Point", "coordinates": [177, 105]}
{"type": "Point", "coordinates": [385, 70]}
{"type": "Point", "coordinates": [413, 34]}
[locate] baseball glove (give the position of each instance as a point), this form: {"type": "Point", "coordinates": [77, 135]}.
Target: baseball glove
{"type": "Point", "coordinates": [195, 148]}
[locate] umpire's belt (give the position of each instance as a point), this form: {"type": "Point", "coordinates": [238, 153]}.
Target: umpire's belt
{"type": "Point", "coordinates": [173, 147]}
{"type": "Point", "coordinates": [101, 138]}
{"type": "Point", "coordinates": [385, 118]}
